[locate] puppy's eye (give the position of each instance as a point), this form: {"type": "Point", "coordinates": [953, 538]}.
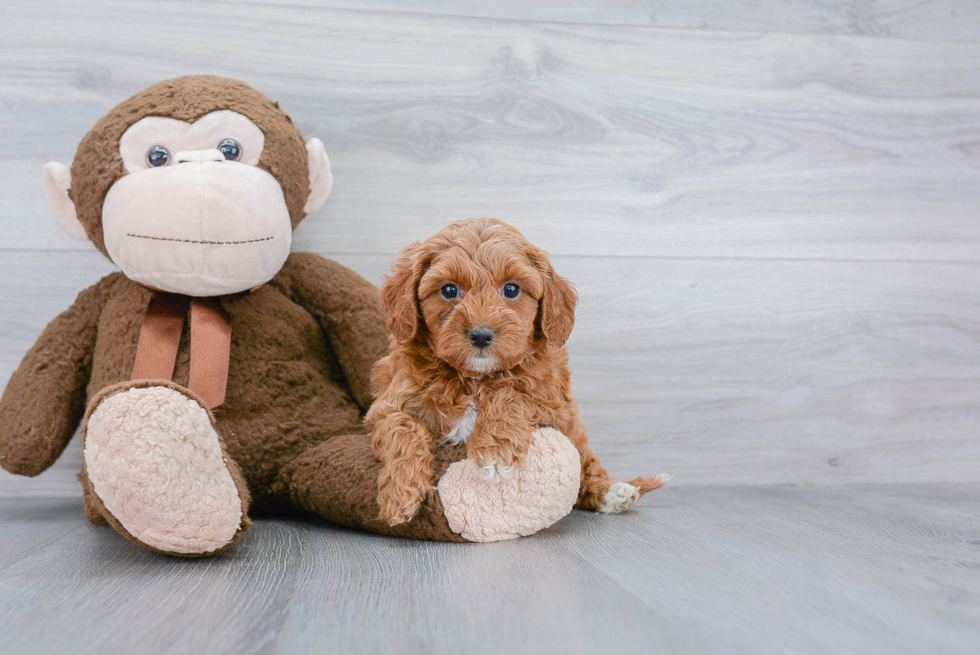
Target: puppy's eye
{"type": "Point", "coordinates": [450, 291]}
{"type": "Point", "coordinates": [511, 290]}
{"type": "Point", "coordinates": [231, 149]}
{"type": "Point", "coordinates": [157, 156]}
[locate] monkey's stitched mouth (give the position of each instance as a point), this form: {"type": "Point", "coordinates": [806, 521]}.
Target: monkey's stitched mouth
{"type": "Point", "coordinates": [202, 241]}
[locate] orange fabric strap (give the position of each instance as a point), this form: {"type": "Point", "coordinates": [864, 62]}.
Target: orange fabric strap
{"type": "Point", "coordinates": [156, 353]}
{"type": "Point", "coordinates": [210, 350]}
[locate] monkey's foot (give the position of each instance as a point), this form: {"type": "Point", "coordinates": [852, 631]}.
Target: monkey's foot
{"type": "Point", "coordinates": [540, 492]}
{"type": "Point", "coordinates": [157, 466]}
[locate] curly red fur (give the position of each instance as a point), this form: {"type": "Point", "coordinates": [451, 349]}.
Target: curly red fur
{"type": "Point", "coordinates": [433, 373]}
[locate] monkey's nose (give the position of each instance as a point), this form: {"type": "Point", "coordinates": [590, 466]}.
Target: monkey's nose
{"type": "Point", "coordinates": [481, 336]}
{"type": "Point", "coordinates": [211, 154]}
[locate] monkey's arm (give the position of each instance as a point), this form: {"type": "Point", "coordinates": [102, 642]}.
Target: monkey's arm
{"type": "Point", "coordinates": [45, 398]}
{"type": "Point", "coordinates": [347, 308]}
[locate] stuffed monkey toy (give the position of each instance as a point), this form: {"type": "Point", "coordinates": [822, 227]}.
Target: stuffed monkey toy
{"type": "Point", "coordinates": [217, 376]}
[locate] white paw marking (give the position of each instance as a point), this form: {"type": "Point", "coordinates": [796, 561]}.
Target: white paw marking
{"type": "Point", "coordinates": [464, 427]}
{"type": "Point", "coordinates": [505, 472]}
{"type": "Point", "coordinates": [620, 498]}
{"type": "Point", "coordinates": [493, 473]}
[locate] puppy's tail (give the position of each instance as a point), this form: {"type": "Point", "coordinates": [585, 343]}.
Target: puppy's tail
{"type": "Point", "coordinates": [649, 484]}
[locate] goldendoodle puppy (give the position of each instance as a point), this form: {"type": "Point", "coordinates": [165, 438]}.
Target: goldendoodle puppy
{"type": "Point", "coordinates": [479, 319]}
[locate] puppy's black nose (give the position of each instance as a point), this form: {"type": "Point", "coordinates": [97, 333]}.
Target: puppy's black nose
{"type": "Point", "coordinates": [481, 336]}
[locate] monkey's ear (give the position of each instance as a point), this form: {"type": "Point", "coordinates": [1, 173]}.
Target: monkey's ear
{"type": "Point", "coordinates": [57, 181]}
{"type": "Point", "coordinates": [321, 177]}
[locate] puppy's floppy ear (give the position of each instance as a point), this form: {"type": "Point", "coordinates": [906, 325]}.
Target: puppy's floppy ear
{"type": "Point", "coordinates": [557, 305]}
{"type": "Point", "coordinates": [399, 293]}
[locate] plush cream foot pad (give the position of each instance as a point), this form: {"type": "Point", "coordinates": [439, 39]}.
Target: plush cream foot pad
{"type": "Point", "coordinates": [155, 462]}
{"type": "Point", "coordinates": [541, 492]}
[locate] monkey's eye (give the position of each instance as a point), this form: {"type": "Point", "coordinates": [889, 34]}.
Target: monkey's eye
{"type": "Point", "coordinates": [231, 149]}
{"type": "Point", "coordinates": [511, 290]}
{"type": "Point", "coordinates": [450, 291]}
{"type": "Point", "coordinates": [157, 156]}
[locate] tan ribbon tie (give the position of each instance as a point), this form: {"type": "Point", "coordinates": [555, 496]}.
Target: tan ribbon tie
{"type": "Point", "coordinates": [156, 353]}
{"type": "Point", "coordinates": [210, 350]}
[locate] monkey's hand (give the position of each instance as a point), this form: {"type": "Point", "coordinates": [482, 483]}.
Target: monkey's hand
{"type": "Point", "coordinates": [45, 398]}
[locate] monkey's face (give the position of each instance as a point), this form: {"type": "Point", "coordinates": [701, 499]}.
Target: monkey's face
{"type": "Point", "coordinates": [200, 197]}
{"type": "Point", "coordinates": [194, 214]}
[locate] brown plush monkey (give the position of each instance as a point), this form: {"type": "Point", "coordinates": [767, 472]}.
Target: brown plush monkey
{"type": "Point", "coordinates": [193, 187]}
{"type": "Point", "coordinates": [217, 374]}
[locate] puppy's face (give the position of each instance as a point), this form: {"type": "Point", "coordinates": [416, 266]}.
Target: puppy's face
{"type": "Point", "coordinates": [479, 295]}
{"type": "Point", "coordinates": [479, 307]}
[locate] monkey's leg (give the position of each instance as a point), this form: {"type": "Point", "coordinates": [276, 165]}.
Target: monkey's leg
{"type": "Point", "coordinates": [338, 480]}
{"type": "Point", "coordinates": [155, 469]}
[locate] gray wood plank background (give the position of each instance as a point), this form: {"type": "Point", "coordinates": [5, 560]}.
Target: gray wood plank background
{"type": "Point", "coordinates": [939, 20]}
{"type": "Point", "coordinates": [770, 210]}
{"type": "Point", "coordinates": [775, 236]}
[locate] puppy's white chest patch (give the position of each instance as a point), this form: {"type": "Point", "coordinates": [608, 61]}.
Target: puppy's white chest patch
{"type": "Point", "coordinates": [464, 427]}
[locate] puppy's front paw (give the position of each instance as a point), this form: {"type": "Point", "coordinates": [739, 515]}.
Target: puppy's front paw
{"type": "Point", "coordinates": [495, 460]}
{"type": "Point", "coordinates": [399, 504]}
{"type": "Point", "coordinates": [492, 472]}
{"type": "Point", "coordinates": [620, 498]}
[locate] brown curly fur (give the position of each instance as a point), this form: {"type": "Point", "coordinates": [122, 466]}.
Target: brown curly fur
{"type": "Point", "coordinates": [429, 379]}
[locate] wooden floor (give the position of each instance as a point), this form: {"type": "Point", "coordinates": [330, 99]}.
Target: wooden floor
{"type": "Point", "coordinates": [830, 569]}
{"type": "Point", "coordinates": [771, 210]}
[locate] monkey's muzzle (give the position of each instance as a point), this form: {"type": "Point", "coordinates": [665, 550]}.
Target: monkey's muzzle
{"type": "Point", "coordinates": [201, 228]}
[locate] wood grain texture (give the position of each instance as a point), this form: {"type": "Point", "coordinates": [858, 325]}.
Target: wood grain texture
{"type": "Point", "coordinates": [771, 217]}
{"type": "Point", "coordinates": [942, 20]}
{"type": "Point", "coordinates": [597, 140]}
{"type": "Point", "coordinates": [831, 569]}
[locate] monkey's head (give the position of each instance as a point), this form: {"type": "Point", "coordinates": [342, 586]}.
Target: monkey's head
{"type": "Point", "coordinates": [192, 186]}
